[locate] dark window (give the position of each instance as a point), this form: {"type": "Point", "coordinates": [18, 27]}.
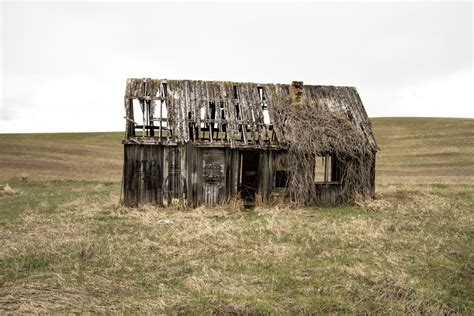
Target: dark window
{"type": "Point", "coordinates": [237, 111]}
{"type": "Point", "coordinates": [236, 96]}
{"type": "Point", "coordinates": [281, 178]}
{"type": "Point", "coordinates": [224, 125]}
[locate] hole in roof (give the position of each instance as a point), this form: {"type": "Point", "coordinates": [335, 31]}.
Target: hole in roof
{"type": "Point", "coordinates": [236, 96]}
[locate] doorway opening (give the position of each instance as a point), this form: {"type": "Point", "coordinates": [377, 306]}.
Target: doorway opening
{"type": "Point", "coordinates": [248, 176]}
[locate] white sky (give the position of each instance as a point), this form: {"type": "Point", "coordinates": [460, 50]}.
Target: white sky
{"type": "Point", "coordinates": [64, 65]}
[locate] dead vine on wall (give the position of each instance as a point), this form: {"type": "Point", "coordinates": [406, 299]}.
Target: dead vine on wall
{"type": "Point", "coordinates": [311, 132]}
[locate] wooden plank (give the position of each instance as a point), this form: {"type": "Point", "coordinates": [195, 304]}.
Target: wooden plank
{"type": "Point", "coordinates": [130, 126]}
{"type": "Point", "coordinates": [264, 174]}
{"type": "Point", "coordinates": [172, 119]}
{"type": "Point", "coordinates": [189, 148]}
{"type": "Point", "coordinates": [199, 102]}
{"type": "Point", "coordinates": [243, 111]}
{"type": "Point", "coordinates": [256, 108]}
{"type": "Point", "coordinates": [183, 104]}
{"type": "Point", "coordinates": [271, 172]}
{"type": "Point", "coordinates": [211, 98]}
{"type": "Point", "coordinates": [191, 99]}
{"type": "Point", "coordinates": [198, 165]}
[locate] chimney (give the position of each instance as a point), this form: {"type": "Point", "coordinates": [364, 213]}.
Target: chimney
{"type": "Point", "coordinates": [296, 95]}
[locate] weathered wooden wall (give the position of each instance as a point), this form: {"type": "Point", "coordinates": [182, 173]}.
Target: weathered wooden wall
{"type": "Point", "coordinates": [159, 175]}
{"type": "Point", "coordinates": [154, 174]}
{"type": "Point", "coordinates": [143, 174]}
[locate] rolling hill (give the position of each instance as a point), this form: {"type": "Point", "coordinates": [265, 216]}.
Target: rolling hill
{"type": "Point", "coordinates": [411, 149]}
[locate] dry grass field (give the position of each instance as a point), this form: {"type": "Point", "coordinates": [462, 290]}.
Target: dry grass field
{"type": "Point", "coordinates": [66, 245]}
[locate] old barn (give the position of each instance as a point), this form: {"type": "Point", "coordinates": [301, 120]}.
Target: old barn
{"type": "Point", "coordinates": [211, 141]}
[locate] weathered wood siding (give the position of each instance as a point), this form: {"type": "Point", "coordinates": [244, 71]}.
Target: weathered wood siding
{"type": "Point", "coordinates": [159, 175]}
{"type": "Point", "coordinates": [143, 175]}
{"type": "Point", "coordinates": [328, 194]}
{"type": "Point", "coordinates": [154, 174]}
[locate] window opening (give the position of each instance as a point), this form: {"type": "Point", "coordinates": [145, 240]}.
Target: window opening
{"type": "Point", "coordinates": [325, 169]}
{"type": "Point", "coordinates": [202, 113]}
{"type": "Point", "coordinates": [282, 175]}
{"type": "Point", "coordinates": [212, 108]}
{"type": "Point", "coordinates": [281, 178]}
{"type": "Point", "coordinates": [266, 115]}
{"type": "Point", "coordinates": [235, 92]}
{"type": "Point", "coordinates": [164, 115]}
{"type": "Point", "coordinates": [224, 125]}
{"type": "Point", "coordinates": [260, 93]}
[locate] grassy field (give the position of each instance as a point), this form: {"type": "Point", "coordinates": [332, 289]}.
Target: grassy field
{"type": "Point", "coordinates": [67, 245]}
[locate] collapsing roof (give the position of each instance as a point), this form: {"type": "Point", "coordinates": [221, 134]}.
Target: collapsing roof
{"type": "Point", "coordinates": [185, 107]}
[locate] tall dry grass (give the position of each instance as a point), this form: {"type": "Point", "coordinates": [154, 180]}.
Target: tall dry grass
{"type": "Point", "coordinates": [93, 255]}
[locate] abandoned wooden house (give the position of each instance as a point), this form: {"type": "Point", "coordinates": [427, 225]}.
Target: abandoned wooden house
{"type": "Point", "coordinates": [205, 142]}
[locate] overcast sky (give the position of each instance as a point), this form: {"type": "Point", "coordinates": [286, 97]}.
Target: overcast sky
{"type": "Point", "coordinates": [64, 65]}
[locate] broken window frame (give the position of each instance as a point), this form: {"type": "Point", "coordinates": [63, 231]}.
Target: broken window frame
{"type": "Point", "coordinates": [153, 121]}
{"type": "Point", "coordinates": [208, 122]}
{"type": "Point", "coordinates": [330, 172]}
{"type": "Point", "coordinates": [281, 167]}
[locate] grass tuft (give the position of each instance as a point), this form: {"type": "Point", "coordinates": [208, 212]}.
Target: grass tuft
{"type": "Point", "coordinates": [7, 190]}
